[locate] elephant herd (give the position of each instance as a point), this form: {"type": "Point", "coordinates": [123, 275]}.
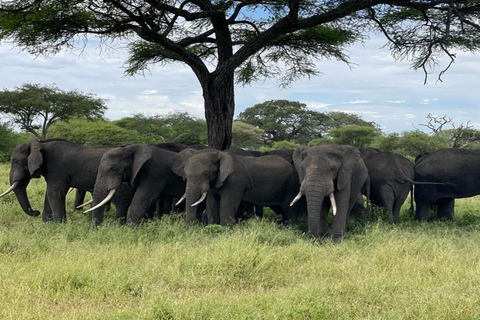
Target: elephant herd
{"type": "Point", "coordinates": [217, 187]}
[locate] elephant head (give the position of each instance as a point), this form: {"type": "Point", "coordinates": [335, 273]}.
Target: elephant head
{"type": "Point", "coordinates": [203, 170]}
{"type": "Point", "coordinates": [26, 163]}
{"type": "Point", "coordinates": [117, 166]}
{"type": "Point", "coordinates": [332, 171]}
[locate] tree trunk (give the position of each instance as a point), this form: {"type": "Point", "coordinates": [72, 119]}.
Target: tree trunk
{"type": "Point", "coordinates": [219, 109]}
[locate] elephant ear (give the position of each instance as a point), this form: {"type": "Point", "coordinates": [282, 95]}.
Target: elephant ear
{"type": "Point", "coordinates": [35, 158]}
{"type": "Point", "coordinates": [185, 155]}
{"type": "Point", "coordinates": [225, 168]}
{"type": "Point", "coordinates": [141, 155]}
{"type": "Point", "coordinates": [298, 156]}
{"type": "Point", "coordinates": [350, 159]}
{"type": "Point", "coordinates": [178, 166]}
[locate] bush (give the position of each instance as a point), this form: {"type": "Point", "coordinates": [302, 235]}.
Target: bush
{"type": "Point", "coordinates": [96, 133]}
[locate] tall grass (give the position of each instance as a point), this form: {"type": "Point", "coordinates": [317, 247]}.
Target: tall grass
{"type": "Point", "coordinates": [255, 270]}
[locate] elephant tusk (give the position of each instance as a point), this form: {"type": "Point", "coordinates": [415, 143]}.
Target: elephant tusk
{"type": "Point", "coordinates": [70, 190]}
{"type": "Point", "coordinates": [299, 195]}
{"type": "Point", "coordinates": [181, 199]}
{"type": "Point", "coordinates": [9, 189]}
{"type": "Point", "coordinates": [85, 204]}
{"type": "Point", "coordinates": [334, 203]}
{"type": "Point", "coordinates": [204, 195]}
{"type": "Point", "coordinates": [108, 198]}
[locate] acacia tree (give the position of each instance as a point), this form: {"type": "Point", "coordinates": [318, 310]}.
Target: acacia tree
{"type": "Point", "coordinates": [293, 121]}
{"type": "Point", "coordinates": [217, 38]}
{"type": "Point", "coordinates": [34, 108]}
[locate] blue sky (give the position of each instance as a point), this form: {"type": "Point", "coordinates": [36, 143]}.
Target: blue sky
{"type": "Point", "coordinates": [378, 88]}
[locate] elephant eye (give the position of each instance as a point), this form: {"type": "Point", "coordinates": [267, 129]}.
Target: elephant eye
{"type": "Point", "coordinates": [207, 173]}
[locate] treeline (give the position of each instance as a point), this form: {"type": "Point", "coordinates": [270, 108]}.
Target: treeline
{"type": "Point", "coordinates": [276, 124]}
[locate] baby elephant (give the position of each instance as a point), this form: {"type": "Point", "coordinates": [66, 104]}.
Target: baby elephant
{"type": "Point", "coordinates": [226, 180]}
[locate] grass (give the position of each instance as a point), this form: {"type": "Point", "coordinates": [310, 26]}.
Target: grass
{"type": "Point", "coordinates": [255, 270]}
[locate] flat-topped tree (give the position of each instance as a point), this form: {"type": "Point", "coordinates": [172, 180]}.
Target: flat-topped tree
{"type": "Point", "coordinates": [34, 108]}
{"type": "Point", "coordinates": [223, 41]}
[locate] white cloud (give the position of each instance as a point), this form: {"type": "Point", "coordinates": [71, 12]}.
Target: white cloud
{"type": "Point", "coordinates": [358, 102]}
{"type": "Point", "coordinates": [395, 101]}
{"type": "Point", "coordinates": [149, 92]}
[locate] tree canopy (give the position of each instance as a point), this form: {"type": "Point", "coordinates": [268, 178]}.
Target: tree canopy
{"type": "Point", "coordinates": [34, 108]}
{"type": "Point", "coordinates": [225, 40]}
{"type": "Point", "coordinates": [293, 121]}
{"type": "Point", "coordinates": [177, 127]}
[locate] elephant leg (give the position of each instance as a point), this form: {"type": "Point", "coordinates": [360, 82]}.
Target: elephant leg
{"type": "Point", "coordinates": [167, 204]}
{"type": "Point", "coordinates": [123, 200]}
{"type": "Point", "coordinates": [150, 213]}
{"type": "Point", "coordinates": [324, 230]}
{"type": "Point", "coordinates": [213, 209]}
{"type": "Point", "coordinates": [259, 211]}
{"type": "Point", "coordinates": [47, 210]}
{"type": "Point", "coordinates": [79, 198]}
{"type": "Point", "coordinates": [243, 212]}
{"type": "Point", "coordinates": [229, 205]}
{"type": "Point", "coordinates": [339, 225]}
{"type": "Point", "coordinates": [445, 209]}
{"type": "Point", "coordinates": [397, 205]}
{"type": "Point", "coordinates": [141, 203]}
{"type": "Point", "coordinates": [56, 197]}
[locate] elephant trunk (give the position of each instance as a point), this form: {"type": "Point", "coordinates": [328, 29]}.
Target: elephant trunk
{"type": "Point", "coordinates": [315, 191]}
{"type": "Point", "coordinates": [99, 195]}
{"type": "Point", "coordinates": [21, 193]}
{"type": "Point", "coordinates": [193, 195]}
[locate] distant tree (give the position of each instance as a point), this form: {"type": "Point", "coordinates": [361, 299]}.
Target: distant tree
{"type": "Point", "coordinates": [96, 133]}
{"type": "Point", "coordinates": [183, 128]}
{"type": "Point", "coordinates": [354, 135]}
{"type": "Point", "coordinates": [459, 136]}
{"type": "Point", "coordinates": [34, 108]}
{"type": "Point", "coordinates": [284, 145]}
{"type": "Point", "coordinates": [339, 119]}
{"type": "Point", "coordinates": [9, 139]}
{"type": "Point", "coordinates": [147, 126]}
{"type": "Point", "coordinates": [177, 127]}
{"type": "Point", "coordinates": [246, 136]}
{"type": "Point", "coordinates": [411, 143]}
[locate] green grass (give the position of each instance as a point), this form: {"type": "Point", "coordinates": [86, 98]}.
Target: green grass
{"type": "Point", "coordinates": [255, 270]}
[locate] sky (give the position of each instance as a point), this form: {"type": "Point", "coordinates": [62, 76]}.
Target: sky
{"type": "Point", "coordinates": [377, 88]}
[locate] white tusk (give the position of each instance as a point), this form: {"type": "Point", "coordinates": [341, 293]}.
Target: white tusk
{"type": "Point", "coordinates": [85, 204]}
{"type": "Point", "coordinates": [334, 203]}
{"type": "Point", "coordinates": [9, 189]}
{"type": "Point", "coordinates": [181, 200]}
{"type": "Point", "coordinates": [299, 195]}
{"type": "Point", "coordinates": [108, 198]}
{"type": "Point", "coordinates": [204, 195]}
{"type": "Point", "coordinates": [70, 190]}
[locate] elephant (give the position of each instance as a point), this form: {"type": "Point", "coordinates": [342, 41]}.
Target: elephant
{"type": "Point", "coordinates": [226, 180]}
{"type": "Point", "coordinates": [336, 172]}
{"type": "Point", "coordinates": [62, 164]}
{"type": "Point", "coordinates": [458, 174]}
{"type": "Point", "coordinates": [151, 171]}
{"type": "Point", "coordinates": [166, 204]}
{"type": "Point", "coordinates": [391, 179]}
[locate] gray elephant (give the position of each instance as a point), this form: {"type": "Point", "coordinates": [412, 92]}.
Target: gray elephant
{"type": "Point", "coordinates": [150, 170]}
{"type": "Point", "coordinates": [333, 172]}
{"type": "Point", "coordinates": [391, 179]}
{"type": "Point", "coordinates": [62, 164]}
{"type": "Point", "coordinates": [459, 172]}
{"type": "Point", "coordinates": [226, 180]}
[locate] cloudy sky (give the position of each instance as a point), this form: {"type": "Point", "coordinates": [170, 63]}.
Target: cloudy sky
{"type": "Point", "coordinates": [378, 88]}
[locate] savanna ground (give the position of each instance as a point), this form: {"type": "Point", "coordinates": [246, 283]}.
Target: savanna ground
{"type": "Point", "coordinates": [255, 270]}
